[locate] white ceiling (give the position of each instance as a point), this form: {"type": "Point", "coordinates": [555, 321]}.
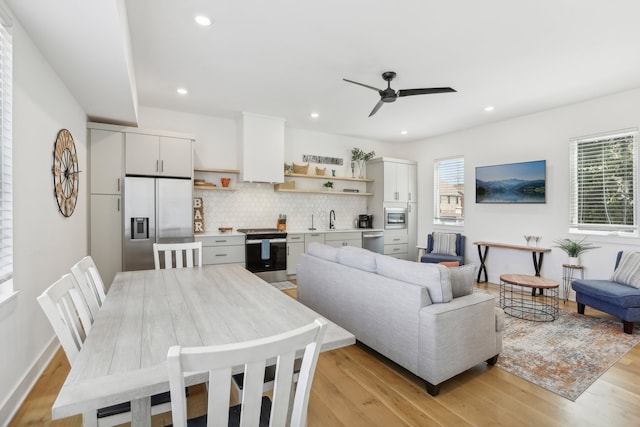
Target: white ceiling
{"type": "Point", "coordinates": [287, 58]}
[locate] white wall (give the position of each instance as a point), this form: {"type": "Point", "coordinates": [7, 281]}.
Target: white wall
{"type": "Point", "coordinates": [541, 136]}
{"type": "Point", "coordinates": [45, 243]}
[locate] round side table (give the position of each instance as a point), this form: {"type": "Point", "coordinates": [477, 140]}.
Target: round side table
{"type": "Point", "coordinates": [568, 273]}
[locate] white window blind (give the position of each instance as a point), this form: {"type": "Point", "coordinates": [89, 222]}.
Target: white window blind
{"type": "Point", "coordinates": [449, 191]}
{"type": "Point", "coordinates": [6, 163]}
{"type": "Point", "coordinates": [603, 171]}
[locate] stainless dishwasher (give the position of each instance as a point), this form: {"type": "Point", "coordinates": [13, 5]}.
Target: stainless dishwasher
{"type": "Point", "coordinates": [373, 241]}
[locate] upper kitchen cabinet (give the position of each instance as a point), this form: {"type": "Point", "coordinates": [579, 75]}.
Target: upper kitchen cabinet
{"type": "Point", "coordinates": [398, 178]}
{"type": "Point", "coordinates": [262, 149]}
{"type": "Point", "coordinates": [158, 155]}
{"type": "Point", "coordinates": [107, 161]}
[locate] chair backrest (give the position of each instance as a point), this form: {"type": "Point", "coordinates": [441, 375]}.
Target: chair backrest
{"type": "Point", "coordinates": [68, 314]}
{"type": "Point", "coordinates": [254, 356]}
{"type": "Point", "coordinates": [182, 253]}
{"type": "Point", "coordinates": [90, 283]}
{"type": "Point", "coordinates": [460, 243]}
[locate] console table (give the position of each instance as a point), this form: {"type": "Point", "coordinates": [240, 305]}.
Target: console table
{"type": "Point", "coordinates": [537, 254]}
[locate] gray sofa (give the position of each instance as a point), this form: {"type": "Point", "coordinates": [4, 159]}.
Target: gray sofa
{"type": "Point", "coordinates": [403, 310]}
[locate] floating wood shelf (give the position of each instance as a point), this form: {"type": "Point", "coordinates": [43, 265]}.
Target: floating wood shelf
{"type": "Point", "coordinates": [327, 177]}
{"type": "Point", "coordinates": [339, 193]}
{"type": "Point", "coordinates": [216, 170]}
{"type": "Point", "coordinates": [206, 187]}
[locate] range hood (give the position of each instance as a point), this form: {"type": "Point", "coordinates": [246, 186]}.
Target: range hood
{"type": "Point", "coordinates": [262, 148]}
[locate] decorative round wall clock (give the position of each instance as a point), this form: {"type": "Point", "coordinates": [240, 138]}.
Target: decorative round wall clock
{"type": "Point", "coordinates": [65, 172]}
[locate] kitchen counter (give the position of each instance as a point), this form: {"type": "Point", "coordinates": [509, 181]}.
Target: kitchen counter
{"type": "Point", "coordinates": [327, 230]}
{"type": "Point", "coordinates": [217, 234]}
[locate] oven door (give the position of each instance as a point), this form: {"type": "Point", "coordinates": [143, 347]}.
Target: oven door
{"type": "Point", "coordinates": [395, 218]}
{"type": "Point", "coordinates": [266, 255]}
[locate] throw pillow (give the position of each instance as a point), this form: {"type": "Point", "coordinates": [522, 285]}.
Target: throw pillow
{"type": "Point", "coordinates": [462, 280]}
{"type": "Point", "coordinates": [444, 243]}
{"type": "Point", "coordinates": [434, 277]}
{"type": "Point", "coordinates": [628, 271]}
{"type": "Point", "coordinates": [450, 263]}
{"type": "Point", "coordinates": [323, 251]}
{"type": "Point", "coordinates": [357, 258]}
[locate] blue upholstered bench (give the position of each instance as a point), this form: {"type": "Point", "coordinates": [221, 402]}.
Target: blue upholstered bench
{"type": "Point", "coordinates": [615, 298]}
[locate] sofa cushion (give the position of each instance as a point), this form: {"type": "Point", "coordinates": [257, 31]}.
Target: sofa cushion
{"type": "Point", "coordinates": [628, 270]}
{"type": "Point", "coordinates": [323, 251]}
{"type": "Point", "coordinates": [359, 258]}
{"type": "Point", "coordinates": [444, 243]}
{"type": "Point", "coordinates": [610, 292]}
{"type": "Point", "coordinates": [462, 280]}
{"type": "Point", "coordinates": [434, 277]}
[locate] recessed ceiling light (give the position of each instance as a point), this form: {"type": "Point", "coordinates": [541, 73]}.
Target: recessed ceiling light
{"type": "Point", "coordinates": [182, 91]}
{"type": "Point", "coordinates": [403, 132]}
{"type": "Point", "coordinates": [203, 20]}
{"type": "Point", "coordinates": [314, 115]}
{"type": "Point", "coordinates": [489, 108]}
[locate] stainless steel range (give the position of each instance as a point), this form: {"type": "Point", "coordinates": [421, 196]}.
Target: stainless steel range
{"type": "Point", "coordinates": [266, 253]}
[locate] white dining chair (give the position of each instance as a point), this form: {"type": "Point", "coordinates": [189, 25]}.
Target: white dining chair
{"type": "Point", "coordinates": [184, 254]}
{"type": "Point", "coordinates": [90, 282]}
{"type": "Point", "coordinates": [255, 409]}
{"type": "Point", "coordinates": [69, 316]}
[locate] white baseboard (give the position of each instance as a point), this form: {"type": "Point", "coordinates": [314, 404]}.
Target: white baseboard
{"type": "Point", "coordinates": [11, 405]}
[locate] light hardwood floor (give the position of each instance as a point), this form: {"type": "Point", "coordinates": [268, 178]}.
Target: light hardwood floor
{"type": "Point", "coordinates": [354, 386]}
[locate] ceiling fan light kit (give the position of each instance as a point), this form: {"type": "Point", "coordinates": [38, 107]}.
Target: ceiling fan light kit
{"type": "Point", "coordinates": [390, 95]}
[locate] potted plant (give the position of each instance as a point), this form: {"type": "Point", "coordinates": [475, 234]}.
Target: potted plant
{"type": "Point", "coordinates": [328, 185]}
{"type": "Point", "coordinates": [359, 156]}
{"type": "Point", "coordinates": [574, 248]}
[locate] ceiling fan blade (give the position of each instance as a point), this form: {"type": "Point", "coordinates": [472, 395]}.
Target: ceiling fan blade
{"type": "Point", "coordinates": [427, 91]}
{"type": "Point", "coordinates": [376, 108]}
{"type": "Point", "coordinates": [362, 84]}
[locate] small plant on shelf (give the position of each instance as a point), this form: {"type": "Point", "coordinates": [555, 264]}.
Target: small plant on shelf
{"type": "Point", "coordinates": [358, 154]}
{"type": "Point", "coordinates": [288, 169]}
{"type": "Point", "coordinates": [328, 185]}
{"type": "Point", "coordinates": [574, 248]}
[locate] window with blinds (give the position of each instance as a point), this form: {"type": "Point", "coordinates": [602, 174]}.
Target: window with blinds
{"type": "Point", "coordinates": [603, 173]}
{"type": "Point", "coordinates": [449, 191]}
{"type": "Point", "coordinates": [6, 172]}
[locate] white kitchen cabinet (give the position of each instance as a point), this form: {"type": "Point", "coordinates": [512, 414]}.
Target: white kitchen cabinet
{"type": "Point", "coordinates": [412, 231]}
{"type": "Point", "coordinates": [396, 243]}
{"type": "Point", "coordinates": [313, 237]}
{"type": "Point", "coordinates": [154, 155]}
{"type": "Point", "coordinates": [395, 177]}
{"type": "Point", "coordinates": [106, 234]}
{"type": "Point", "coordinates": [106, 161]}
{"type": "Point", "coordinates": [222, 249]}
{"type": "Point", "coordinates": [338, 239]}
{"type": "Point", "coordinates": [262, 148]}
{"type": "Point", "coordinates": [295, 249]}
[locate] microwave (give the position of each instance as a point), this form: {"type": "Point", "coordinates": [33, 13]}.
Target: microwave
{"type": "Point", "coordinates": [395, 218]}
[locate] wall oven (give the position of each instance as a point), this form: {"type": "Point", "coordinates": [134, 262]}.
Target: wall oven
{"type": "Point", "coordinates": [395, 218]}
{"type": "Point", "coordinates": [266, 253]}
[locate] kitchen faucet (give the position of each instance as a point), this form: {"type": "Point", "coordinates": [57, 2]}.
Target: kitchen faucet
{"type": "Point", "coordinates": [332, 217]}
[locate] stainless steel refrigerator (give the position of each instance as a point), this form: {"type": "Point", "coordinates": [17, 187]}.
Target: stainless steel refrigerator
{"type": "Point", "coordinates": [156, 210]}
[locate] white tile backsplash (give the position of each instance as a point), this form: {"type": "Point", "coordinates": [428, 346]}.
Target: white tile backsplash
{"type": "Point", "coordinates": [258, 205]}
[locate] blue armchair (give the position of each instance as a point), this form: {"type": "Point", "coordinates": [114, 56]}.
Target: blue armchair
{"type": "Point", "coordinates": [614, 298]}
{"type": "Point", "coordinates": [435, 258]}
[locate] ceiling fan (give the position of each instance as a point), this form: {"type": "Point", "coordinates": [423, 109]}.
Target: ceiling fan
{"type": "Point", "coordinates": [390, 95]}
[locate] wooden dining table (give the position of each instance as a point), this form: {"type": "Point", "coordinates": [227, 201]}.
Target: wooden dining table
{"type": "Point", "coordinates": [146, 312]}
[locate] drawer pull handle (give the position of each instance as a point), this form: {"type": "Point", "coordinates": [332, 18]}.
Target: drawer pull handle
{"type": "Point", "coordinates": [221, 254]}
{"type": "Point", "coordinates": [221, 241]}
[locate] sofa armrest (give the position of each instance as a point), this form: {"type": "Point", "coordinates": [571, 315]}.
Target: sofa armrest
{"type": "Point", "coordinates": [457, 335]}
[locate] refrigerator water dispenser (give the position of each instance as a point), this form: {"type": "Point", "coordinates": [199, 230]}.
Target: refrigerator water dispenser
{"type": "Point", "coordinates": [139, 228]}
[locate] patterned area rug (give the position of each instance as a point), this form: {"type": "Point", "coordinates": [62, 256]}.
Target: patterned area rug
{"type": "Point", "coordinates": [564, 356]}
{"type": "Point", "coordinates": [283, 285]}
